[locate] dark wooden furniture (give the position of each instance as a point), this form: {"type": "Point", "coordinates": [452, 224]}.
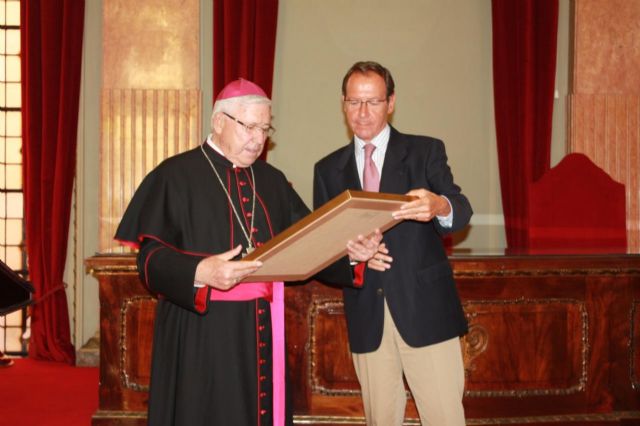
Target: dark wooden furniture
{"type": "Point", "coordinates": [553, 340]}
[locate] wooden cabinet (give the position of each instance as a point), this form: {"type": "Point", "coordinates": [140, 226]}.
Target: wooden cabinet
{"type": "Point", "coordinates": [553, 340]}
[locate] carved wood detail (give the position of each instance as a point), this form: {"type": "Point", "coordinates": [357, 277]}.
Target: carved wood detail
{"type": "Point", "coordinates": [634, 345]}
{"type": "Point", "coordinates": [137, 316]}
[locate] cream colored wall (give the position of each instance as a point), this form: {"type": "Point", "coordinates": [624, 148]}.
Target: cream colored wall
{"type": "Point", "coordinates": [439, 53]}
{"type": "Point", "coordinates": [82, 290]}
{"type": "Point", "coordinates": [559, 143]}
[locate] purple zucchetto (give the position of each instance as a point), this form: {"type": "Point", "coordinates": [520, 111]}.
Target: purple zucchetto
{"type": "Point", "coordinates": [240, 87]}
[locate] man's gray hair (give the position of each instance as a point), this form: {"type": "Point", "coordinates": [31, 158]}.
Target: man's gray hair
{"type": "Point", "coordinates": [230, 105]}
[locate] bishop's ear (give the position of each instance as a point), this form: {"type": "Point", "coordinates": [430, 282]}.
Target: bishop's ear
{"type": "Point", "coordinates": [217, 122]}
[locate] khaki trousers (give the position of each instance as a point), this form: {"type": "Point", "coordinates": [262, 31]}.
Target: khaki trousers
{"type": "Point", "coordinates": [435, 375]}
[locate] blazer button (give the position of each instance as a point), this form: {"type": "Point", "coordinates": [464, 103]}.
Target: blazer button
{"type": "Point", "coordinates": [379, 292]}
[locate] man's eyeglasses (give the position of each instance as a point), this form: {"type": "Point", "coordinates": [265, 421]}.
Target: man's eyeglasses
{"type": "Point", "coordinates": [252, 128]}
{"type": "Point", "coordinates": [357, 103]}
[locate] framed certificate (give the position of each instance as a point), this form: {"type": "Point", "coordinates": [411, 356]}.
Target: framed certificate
{"type": "Point", "coordinates": [320, 238]}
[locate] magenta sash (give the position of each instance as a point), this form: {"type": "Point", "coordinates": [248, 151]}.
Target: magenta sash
{"type": "Point", "coordinates": [274, 293]}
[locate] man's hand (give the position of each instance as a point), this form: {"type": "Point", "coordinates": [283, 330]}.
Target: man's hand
{"type": "Point", "coordinates": [381, 261]}
{"type": "Point", "coordinates": [220, 272]}
{"type": "Point", "coordinates": [426, 207]}
{"type": "Point", "coordinates": [364, 248]}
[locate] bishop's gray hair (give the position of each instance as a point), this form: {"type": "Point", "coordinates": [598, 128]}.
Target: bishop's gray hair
{"type": "Point", "coordinates": [231, 105]}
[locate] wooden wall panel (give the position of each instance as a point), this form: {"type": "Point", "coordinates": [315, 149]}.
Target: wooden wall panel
{"type": "Point", "coordinates": [151, 98]}
{"type": "Point", "coordinates": [608, 62]}
{"type": "Point", "coordinates": [140, 128]}
{"type": "Point", "coordinates": [606, 128]}
{"type": "Point", "coordinates": [151, 44]}
{"type": "Point", "coordinates": [604, 108]}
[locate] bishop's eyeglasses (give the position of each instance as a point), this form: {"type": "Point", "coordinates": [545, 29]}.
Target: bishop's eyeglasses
{"type": "Point", "coordinates": [252, 128]}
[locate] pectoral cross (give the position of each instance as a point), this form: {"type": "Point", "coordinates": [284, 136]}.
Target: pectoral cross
{"type": "Point", "coordinates": [248, 250]}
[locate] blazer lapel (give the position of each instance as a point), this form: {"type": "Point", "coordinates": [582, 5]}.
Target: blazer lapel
{"type": "Point", "coordinates": [346, 170]}
{"type": "Point", "coordinates": [394, 170]}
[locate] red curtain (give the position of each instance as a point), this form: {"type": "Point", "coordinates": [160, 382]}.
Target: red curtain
{"type": "Point", "coordinates": [524, 65]}
{"type": "Point", "coordinates": [244, 42]}
{"type": "Point", "coordinates": [51, 42]}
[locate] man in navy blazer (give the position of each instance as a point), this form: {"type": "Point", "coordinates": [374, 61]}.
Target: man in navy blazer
{"type": "Point", "coordinates": [407, 317]}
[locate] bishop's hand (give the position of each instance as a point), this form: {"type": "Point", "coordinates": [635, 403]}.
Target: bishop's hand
{"type": "Point", "coordinates": [221, 272]}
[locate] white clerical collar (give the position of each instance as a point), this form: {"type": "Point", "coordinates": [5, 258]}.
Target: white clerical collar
{"type": "Point", "coordinates": [380, 140]}
{"type": "Point", "coordinates": [216, 148]}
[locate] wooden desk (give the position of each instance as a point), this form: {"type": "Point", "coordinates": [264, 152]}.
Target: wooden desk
{"type": "Point", "coordinates": [553, 340]}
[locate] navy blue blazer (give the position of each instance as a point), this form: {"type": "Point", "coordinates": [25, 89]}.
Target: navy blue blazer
{"type": "Point", "coordinates": [419, 287]}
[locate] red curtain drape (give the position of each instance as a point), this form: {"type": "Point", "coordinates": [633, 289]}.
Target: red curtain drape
{"type": "Point", "coordinates": [524, 65]}
{"type": "Point", "coordinates": [51, 43]}
{"type": "Point", "coordinates": [244, 42]}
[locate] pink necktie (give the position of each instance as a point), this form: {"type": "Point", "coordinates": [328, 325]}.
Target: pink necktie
{"type": "Point", "coordinates": [371, 177]}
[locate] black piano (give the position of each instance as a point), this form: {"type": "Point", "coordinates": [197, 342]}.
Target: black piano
{"type": "Point", "coordinates": [15, 293]}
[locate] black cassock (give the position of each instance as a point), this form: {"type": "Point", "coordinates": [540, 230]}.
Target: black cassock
{"type": "Point", "coordinates": [212, 359]}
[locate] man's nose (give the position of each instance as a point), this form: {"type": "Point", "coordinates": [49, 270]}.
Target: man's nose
{"type": "Point", "coordinates": [363, 109]}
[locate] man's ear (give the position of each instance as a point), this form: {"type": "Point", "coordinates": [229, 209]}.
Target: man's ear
{"type": "Point", "coordinates": [391, 104]}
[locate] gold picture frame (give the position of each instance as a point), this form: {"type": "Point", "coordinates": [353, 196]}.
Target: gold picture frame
{"type": "Point", "coordinates": [320, 238]}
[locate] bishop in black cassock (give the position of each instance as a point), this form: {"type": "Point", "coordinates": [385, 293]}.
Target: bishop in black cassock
{"type": "Point", "coordinates": [190, 219]}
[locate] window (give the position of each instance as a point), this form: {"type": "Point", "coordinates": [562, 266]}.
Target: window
{"type": "Point", "coordinates": [12, 249]}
